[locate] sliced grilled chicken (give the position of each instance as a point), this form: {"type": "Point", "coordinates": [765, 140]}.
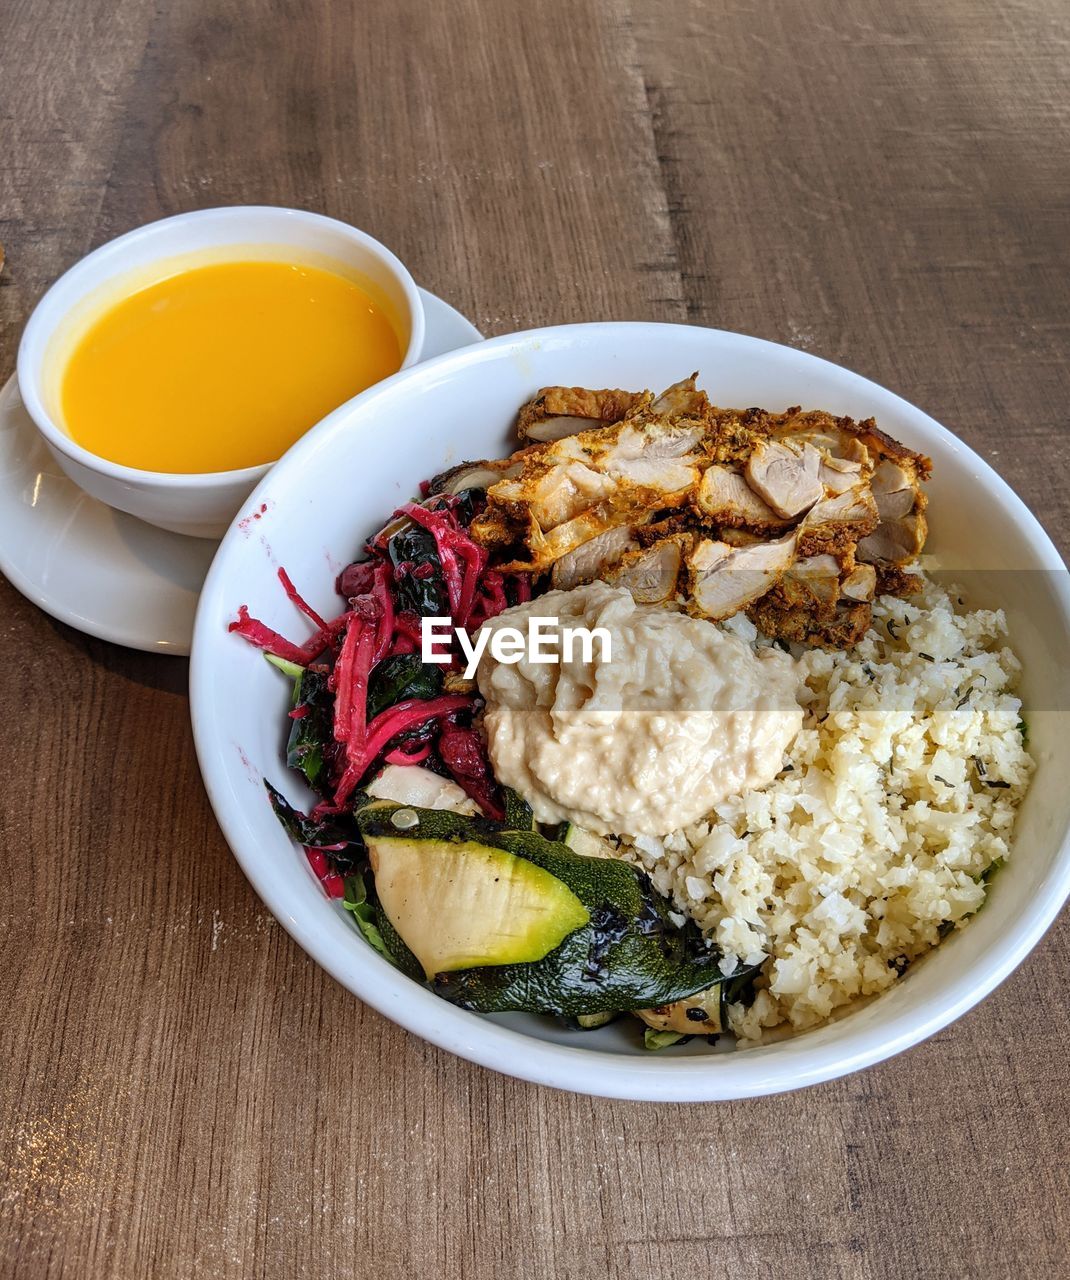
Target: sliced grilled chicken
{"type": "Point", "coordinates": [860, 583]}
{"type": "Point", "coordinates": [893, 581]}
{"type": "Point", "coordinates": [891, 506]}
{"type": "Point", "coordinates": [793, 613]}
{"type": "Point", "coordinates": [727, 499]}
{"type": "Point", "coordinates": [839, 474]}
{"type": "Point", "coordinates": [547, 429]}
{"type": "Point", "coordinates": [821, 600]}
{"type": "Point", "coordinates": [896, 541]}
{"type": "Point", "coordinates": [838, 521]}
{"type": "Point", "coordinates": [656, 456]}
{"type": "Point", "coordinates": [820, 575]}
{"type": "Point", "coordinates": [836, 437]}
{"type": "Point", "coordinates": [652, 573]}
{"type": "Point", "coordinates": [682, 399]}
{"type": "Point", "coordinates": [785, 476]}
{"type": "Point", "coordinates": [892, 476]}
{"type": "Point", "coordinates": [476, 475]}
{"type": "Point", "coordinates": [800, 517]}
{"type": "Point", "coordinates": [896, 489]}
{"type": "Point", "coordinates": [556, 491]}
{"type": "Point", "coordinates": [594, 559]}
{"type": "Point", "coordinates": [556, 412]}
{"type": "Point", "coordinates": [543, 550]}
{"type": "Point", "coordinates": [642, 464]}
{"type": "Point", "coordinates": [724, 579]}
{"type": "Point", "coordinates": [901, 503]}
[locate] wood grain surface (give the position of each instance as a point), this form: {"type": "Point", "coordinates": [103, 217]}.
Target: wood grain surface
{"type": "Point", "coordinates": [183, 1093]}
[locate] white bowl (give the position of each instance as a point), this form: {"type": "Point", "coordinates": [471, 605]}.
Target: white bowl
{"type": "Point", "coordinates": [337, 485]}
{"type": "Point", "coordinates": [199, 504]}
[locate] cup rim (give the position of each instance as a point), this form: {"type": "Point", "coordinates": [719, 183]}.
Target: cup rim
{"type": "Point", "coordinates": [57, 439]}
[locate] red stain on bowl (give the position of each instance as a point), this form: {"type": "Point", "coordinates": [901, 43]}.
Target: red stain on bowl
{"type": "Point", "coordinates": [246, 523]}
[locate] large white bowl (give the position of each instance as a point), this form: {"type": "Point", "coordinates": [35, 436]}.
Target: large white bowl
{"type": "Point", "coordinates": [338, 484]}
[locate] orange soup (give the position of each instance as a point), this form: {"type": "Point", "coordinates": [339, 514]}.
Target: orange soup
{"type": "Point", "coordinates": [223, 366]}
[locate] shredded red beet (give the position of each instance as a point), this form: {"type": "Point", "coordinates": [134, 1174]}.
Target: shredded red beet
{"type": "Point", "coordinates": [461, 558]}
{"type": "Point", "coordinates": [493, 586]}
{"type": "Point", "coordinates": [257, 633]}
{"type": "Point", "coordinates": [407, 623]}
{"type": "Point", "coordinates": [356, 579]}
{"type": "Point", "coordinates": [408, 714]}
{"type": "Point", "coordinates": [373, 628]}
{"type": "Point", "coordinates": [489, 602]}
{"type": "Point", "coordinates": [463, 755]}
{"type": "Point", "coordinates": [381, 594]}
{"type": "Point", "coordinates": [402, 756]}
{"type": "Point", "coordinates": [350, 674]}
{"type": "Point", "coordinates": [262, 636]}
{"type": "Point", "coordinates": [317, 860]}
{"type": "Point", "coordinates": [475, 558]}
{"type": "Point", "coordinates": [438, 524]}
{"type": "Point", "coordinates": [299, 600]}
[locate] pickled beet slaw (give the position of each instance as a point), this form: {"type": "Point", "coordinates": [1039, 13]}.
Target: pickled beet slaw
{"type": "Point", "coordinates": [380, 623]}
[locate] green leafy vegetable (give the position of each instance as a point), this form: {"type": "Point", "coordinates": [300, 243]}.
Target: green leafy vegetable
{"type": "Point", "coordinates": [467, 505]}
{"type": "Point", "coordinates": [311, 738]}
{"type": "Point", "coordinates": [356, 901]}
{"type": "Point", "coordinates": [401, 676]}
{"type": "Point", "coordinates": [326, 833]}
{"type": "Point", "coordinates": [739, 988]}
{"type": "Point", "coordinates": [419, 583]}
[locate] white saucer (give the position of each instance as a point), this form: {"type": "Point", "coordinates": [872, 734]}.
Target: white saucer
{"type": "Point", "coordinates": [100, 570]}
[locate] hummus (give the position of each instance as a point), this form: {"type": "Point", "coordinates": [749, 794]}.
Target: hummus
{"type": "Point", "coordinates": [682, 716]}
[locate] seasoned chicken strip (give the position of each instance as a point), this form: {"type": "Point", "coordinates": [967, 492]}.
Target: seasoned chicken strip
{"type": "Point", "coordinates": [725, 498]}
{"type": "Point", "coordinates": [786, 476]}
{"type": "Point", "coordinates": [594, 559]}
{"type": "Point", "coordinates": [652, 573]}
{"type": "Point", "coordinates": [631, 469]}
{"type": "Point", "coordinates": [725, 579]}
{"type": "Point", "coordinates": [797, 517]}
{"type": "Point", "coordinates": [556, 412]}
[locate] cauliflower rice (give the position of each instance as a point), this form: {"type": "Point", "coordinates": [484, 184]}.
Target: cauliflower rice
{"type": "Point", "coordinates": [880, 834]}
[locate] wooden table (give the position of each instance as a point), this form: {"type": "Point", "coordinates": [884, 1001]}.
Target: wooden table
{"type": "Point", "coordinates": [183, 1092]}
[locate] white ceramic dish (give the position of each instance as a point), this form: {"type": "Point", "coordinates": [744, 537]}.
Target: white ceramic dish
{"type": "Point", "coordinates": [101, 570]}
{"type": "Point", "coordinates": [200, 505]}
{"type": "Point", "coordinates": [337, 485]}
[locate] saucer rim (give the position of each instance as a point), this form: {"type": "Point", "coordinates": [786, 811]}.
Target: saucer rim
{"type": "Point", "coordinates": [437, 311]}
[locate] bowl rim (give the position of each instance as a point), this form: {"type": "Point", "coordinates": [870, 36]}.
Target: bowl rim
{"type": "Point", "coordinates": [58, 440]}
{"type": "Point", "coordinates": [589, 1070]}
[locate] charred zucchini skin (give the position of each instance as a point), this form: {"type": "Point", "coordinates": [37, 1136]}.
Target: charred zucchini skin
{"type": "Point", "coordinates": [629, 955]}
{"type": "Point", "coordinates": [519, 815]}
